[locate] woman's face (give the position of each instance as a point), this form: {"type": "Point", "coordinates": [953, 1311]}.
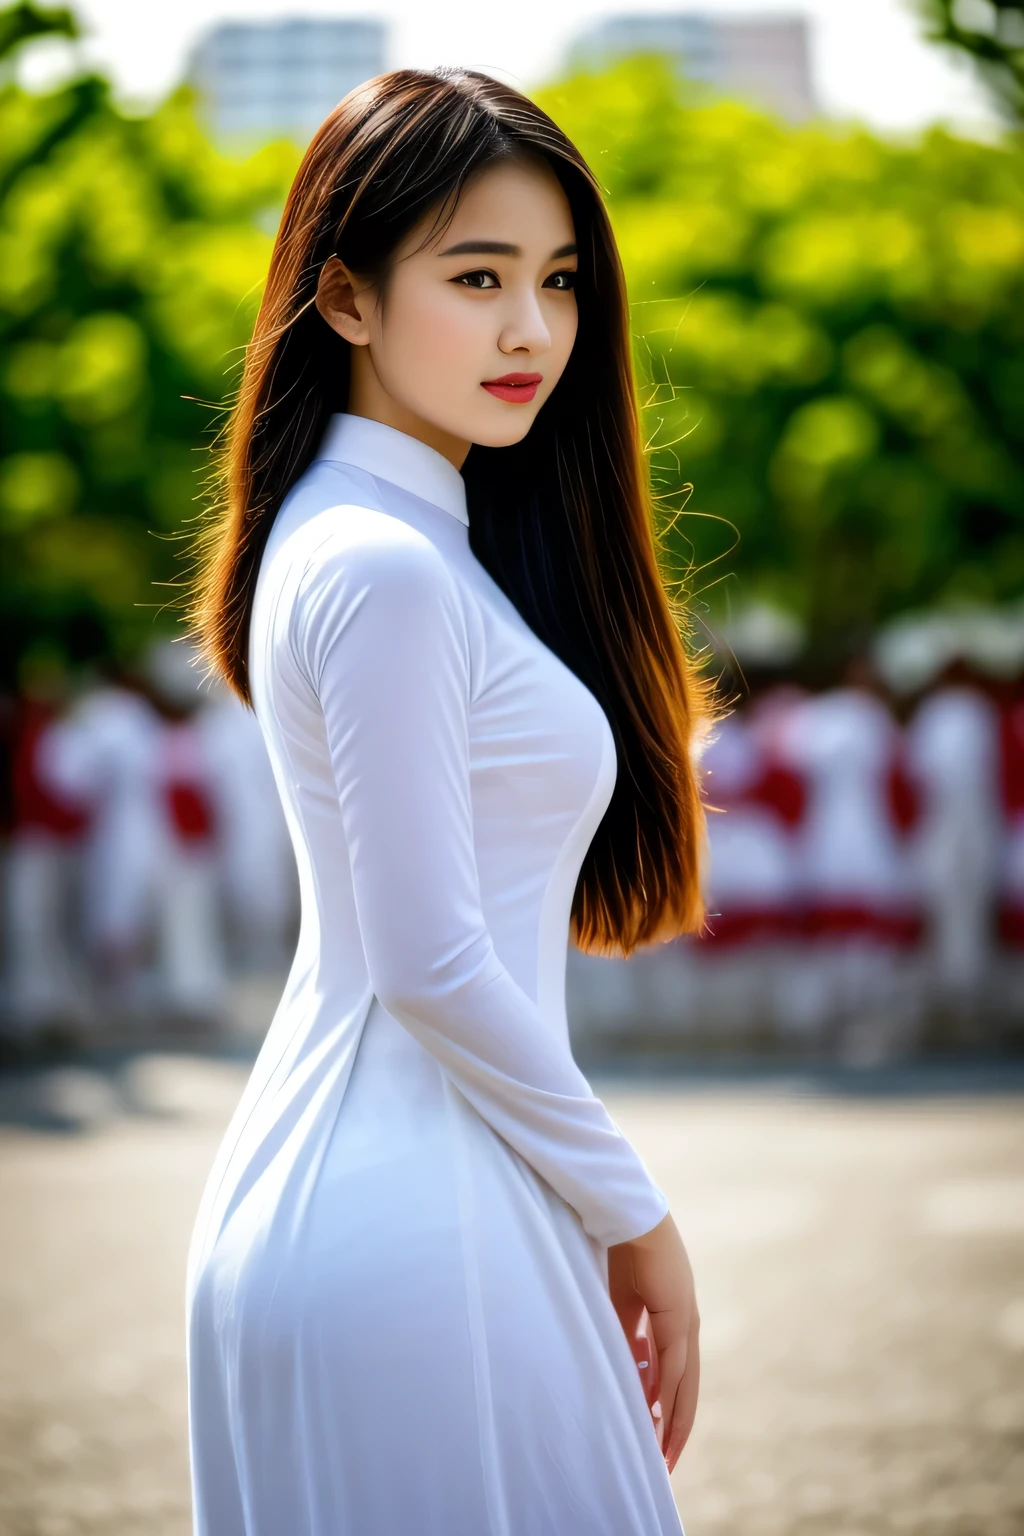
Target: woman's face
{"type": "Point", "coordinates": [474, 328]}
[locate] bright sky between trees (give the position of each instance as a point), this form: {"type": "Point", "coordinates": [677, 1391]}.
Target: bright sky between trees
{"type": "Point", "coordinates": [869, 59]}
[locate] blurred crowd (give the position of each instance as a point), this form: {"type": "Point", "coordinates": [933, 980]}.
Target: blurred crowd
{"type": "Point", "coordinates": [146, 861]}
{"type": "Point", "coordinates": [879, 862]}
{"type": "Point", "coordinates": [865, 880]}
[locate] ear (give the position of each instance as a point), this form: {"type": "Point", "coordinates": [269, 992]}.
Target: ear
{"type": "Point", "coordinates": [339, 299]}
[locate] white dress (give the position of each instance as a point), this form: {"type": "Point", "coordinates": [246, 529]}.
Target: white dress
{"type": "Point", "coordinates": [398, 1312]}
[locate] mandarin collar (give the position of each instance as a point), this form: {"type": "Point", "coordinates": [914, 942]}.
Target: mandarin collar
{"type": "Point", "coordinates": [387, 454]}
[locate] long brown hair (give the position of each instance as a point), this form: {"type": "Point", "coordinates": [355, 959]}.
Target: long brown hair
{"type": "Point", "coordinates": [562, 520]}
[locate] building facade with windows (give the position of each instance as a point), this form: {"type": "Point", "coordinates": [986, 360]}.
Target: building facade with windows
{"type": "Point", "coordinates": [258, 80]}
{"type": "Point", "coordinates": [761, 59]}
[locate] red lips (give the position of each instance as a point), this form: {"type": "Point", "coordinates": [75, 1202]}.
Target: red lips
{"type": "Point", "coordinates": [514, 386]}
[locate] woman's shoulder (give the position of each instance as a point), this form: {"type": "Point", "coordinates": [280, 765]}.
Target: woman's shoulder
{"type": "Point", "coordinates": [338, 551]}
{"type": "Point", "coordinates": [335, 529]}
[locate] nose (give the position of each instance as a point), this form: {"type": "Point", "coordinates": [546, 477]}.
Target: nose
{"type": "Point", "coordinates": [524, 328]}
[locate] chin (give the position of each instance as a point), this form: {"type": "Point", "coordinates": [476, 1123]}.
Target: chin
{"type": "Point", "coordinates": [504, 434]}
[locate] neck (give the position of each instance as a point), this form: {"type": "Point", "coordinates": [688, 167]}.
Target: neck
{"type": "Point", "coordinates": [368, 397]}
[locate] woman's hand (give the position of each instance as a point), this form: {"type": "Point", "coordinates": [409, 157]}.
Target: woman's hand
{"type": "Point", "coordinates": [653, 1272]}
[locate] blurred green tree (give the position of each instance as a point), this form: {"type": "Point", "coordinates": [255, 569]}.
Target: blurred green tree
{"type": "Point", "coordinates": [21, 23]}
{"type": "Point", "coordinates": [991, 32]}
{"type": "Point", "coordinates": [131, 259]}
{"type": "Point", "coordinates": [830, 328]}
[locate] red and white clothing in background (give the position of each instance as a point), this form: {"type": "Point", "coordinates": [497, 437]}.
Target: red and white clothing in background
{"type": "Point", "coordinates": [953, 751]}
{"type": "Point", "coordinates": [189, 921]}
{"type": "Point", "coordinates": [44, 985]}
{"type": "Point", "coordinates": [150, 877]}
{"type": "Point", "coordinates": [731, 977]}
{"type": "Point", "coordinates": [259, 884]}
{"type": "Point", "coordinates": [755, 804]}
{"type": "Point", "coordinates": [856, 867]}
{"type": "Point", "coordinates": [861, 917]}
{"type": "Point", "coordinates": [1011, 784]}
{"type": "Point", "coordinates": [105, 755]}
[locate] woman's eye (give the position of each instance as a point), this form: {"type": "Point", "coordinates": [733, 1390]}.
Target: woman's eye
{"type": "Point", "coordinates": [561, 280]}
{"type": "Point", "coordinates": [477, 279]}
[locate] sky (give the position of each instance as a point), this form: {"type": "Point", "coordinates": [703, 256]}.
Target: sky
{"type": "Point", "coordinates": [869, 60]}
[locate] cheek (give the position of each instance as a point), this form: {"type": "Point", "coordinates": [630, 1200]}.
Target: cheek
{"type": "Point", "coordinates": [431, 340]}
{"type": "Point", "coordinates": [562, 327]}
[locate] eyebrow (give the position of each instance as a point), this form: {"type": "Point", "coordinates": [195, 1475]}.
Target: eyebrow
{"type": "Point", "coordinates": [500, 248]}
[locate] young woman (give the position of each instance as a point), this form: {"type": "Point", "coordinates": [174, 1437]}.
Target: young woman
{"type": "Point", "coordinates": [425, 1241]}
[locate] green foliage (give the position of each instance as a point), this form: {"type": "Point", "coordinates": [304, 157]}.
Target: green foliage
{"type": "Point", "coordinates": [830, 329]}
{"type": "Point", "coordinates": [19, 24]}
{"type": "Point", "coordinates": [831, 332]}
{"type": "Point", "coordinates": [991, 32]}
{"type": "Point", "coordinates": [131, 263]}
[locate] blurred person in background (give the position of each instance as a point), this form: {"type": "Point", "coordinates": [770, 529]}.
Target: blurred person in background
{"type": "Point", "coordinates": [953, 755]}
{"type": "Point", "coordinates": [858, 889]}
{"type": "Point", "coordinates": [752, 891]}
{"type": "Point", "coordinates": [104, 756]}
{"type": "Point", "coordinates": [258, 880]}
{"type": "Point", "coordinates": [783, 793]}
{"type": "Point", "coordinates": [1010, 889]}
{"type": "Point", "coordinates": [46, 986]}
{"type": "Point", "coordinates": [190, 961]}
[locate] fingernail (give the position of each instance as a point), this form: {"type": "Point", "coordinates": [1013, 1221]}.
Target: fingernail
{"type": "Point", "coordinates": [656, 1410]}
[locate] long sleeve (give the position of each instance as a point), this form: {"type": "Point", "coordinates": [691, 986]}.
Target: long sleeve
{"type": "Point", "coordinates": [381, 635]}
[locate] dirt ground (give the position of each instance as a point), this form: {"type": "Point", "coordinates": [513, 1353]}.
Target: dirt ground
{"type": "Point", "coordinates": [858, 1247]}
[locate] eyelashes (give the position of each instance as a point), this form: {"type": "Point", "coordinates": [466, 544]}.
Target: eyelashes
{"type": "Point", "coordinates": [482, 279]}
{"type": "Point", "coordinates": [469, 279]}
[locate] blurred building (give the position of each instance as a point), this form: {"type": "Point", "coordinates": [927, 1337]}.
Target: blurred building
{"type": "Point", "coordinates": [260, 79]}
{"type": "Point", "coordinates": [762, 59]}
